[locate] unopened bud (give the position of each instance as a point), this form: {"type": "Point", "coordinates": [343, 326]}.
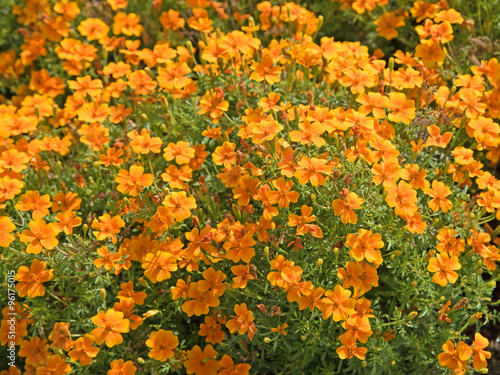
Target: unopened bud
{"type": "Point", "coordinates": [313, 198]}
{"type": "Point", "coordinates": [266, 251]}
{"type": "Point", "coordinates": [435, 221]}
{"type": "Point", "coordinates": [91, 274]}
{"type": "Point", "coordinates": [364, 363]}
{"type": "Point", "coordinates": [164, 102]}
{"type": "Point", "coordinates": [102, 293]}
{"type": "Point", "coordinates": [412, 315]}
{"type": "Point", "coordinates": [414, 284]}
{"type": "Point", "coordinates": [453, 90]}
{"type": "Point", "coordinates": [163, 128]}
{"type": "Point", "coordinates": [144, 116]}
{"type": "Point", "coordinates": [150, 72]}
{"type": "Point", "coordinates": [319, 262]}
{"type": "Point", "coordinates": [37, 111]}
{"type": "Point", "coordinates": [296, 113]}
{"type": "Point", "coordinates": [267, 340]}
{"type": "Point", "coordinates": [336, 250]}
{"type": "Point", "coordinates": [85, 228]}
{"type": "Point", "coordinates": [321, 19]}
{"type": "Point", "coordinates": [303, 338]}
{"type": "Point", "coordinates": [391, 64]}
{"type": "Point", "coordinates": [141, 361]}
{"type": "Point", "coordinates": [189, 47]}
{"type": "Point", "coordinates": [143, 282]}
{"type": "Point", "coordinates": [393, 363]}
{"type": "Point", "coordinates": [482, 371]}
{"type": "Point", "coordinates": [474, 318]}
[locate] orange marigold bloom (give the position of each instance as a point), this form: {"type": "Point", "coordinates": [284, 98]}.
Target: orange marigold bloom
{"type": "Point", "coordinates": [225, 155]}
{"type": "Point", "coordinates": [387, 173]}
{"type": "Point", "coordinates": [93, 28]}
{"type": "Point", "coordinates": [264, 70]}
{"type": "Point", "coordinates": [133, 182]}
{"type": "Point", "coordinates": [158, 266]}
{"type": "Point", "coordinates": [415, 176]}
{"type": "Point", "coordinates": [247, 187]}
{"type": "Point", "coordinates": [54, 365]}
{"type": "Point", "coordinates": [302, 222]}
{"type": "Point", "coordinates": [229, 368]}
{"type": "Point", "coordinates": [312, 170]}
{"type": "Point", "coordinates": [213, 104]}
{"type": "Point", "coordinates": [35, 351]}
{"type": "Point", "coordinates": [179, 205]}
{"type": "Point", "coordinates": [83, 350]}
{"type": "Point", "coordinates": [265, 130]}
{"type": "Point", "coordinates": [455, 358]}
{"type": "Point", "coordinates": [346, 206]}
{"type": "Point", "coordinates": [349, 347]}
{"type": "Point", "coordinates": [67, 221]}
{"type": "Point", "coordinates": [143, 143]}
{"type": "Point", "coordinates": [357, 80]}
{"type": "Point", "coordinates": [202, 362]}
{"type": "Point", "coordinates": [403, 198]}
{"type": "Point", "coordinates": [93, 112]}
{"type": "Point", "coordinates": [120, 367]}
{"type": "Point", "coordinates": [373, 102]}
{"type": "Point", "coordinates": [110, 327]}
{"type": "Point", "coordinates": [439, 192]}
{"type": "Point", "coordinates": [180, 151]}
{"type": "Point", "coordinates": [127, 24]}
{"type": "Point", "coordinates": [240, 248]}
{"type": "Point", "coordinates": [106, 259]}
{"type": "Point", "coordinates": [309, 133]}
{"type": "Point", "coordinates": [161, 343]}
{"type": "Point", "coordinates": [141, 82]}
{"type": "Point", "coordinates": [40, 236]}
{"type": "Point", "coordinates": [402, 110]}
{"type": "Point", "coordinates": [30, 279]}
{"type": "Point", "coordinates": [359, 327]}
{"type": "Point", "coordinates": [107, 227]}
{"type": "Point", "coordinates": [414, 223]}
{"type": "Point", "coordinates": [241, 321]}
{"type": "Point", "coordinates": [212, 329]}
{"type": "Point", "coordinates": [337, 304]}
{"type": "Point", "coordinates": [6, 227]}
{"type": "Point", "coordinates": [243, 274]}
{"type": "Point", "coordinates": [435, 137]}
{"type": "Point", "coordinates": [430, 52]}
{"type": "Point", "coordinates": [444, 268]}
{"type": "Point", "coordinates": [480, 355]}
{"type": "Point", "coordinates": [364, 245]}
{"type": "Point", "coordinates": [283, 196]}
{"type": "Point", "coordinates": [387, 24]}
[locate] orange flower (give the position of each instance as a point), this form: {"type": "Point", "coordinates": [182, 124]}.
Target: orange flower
{"type": "Point", "coordinates": [31, 201]}
{"type": "Point", "coordinates": [346, 206]}
{"type": "Point", "coordinates": [455, 358]}
{"type": "Point", "coordinates": [349, 347]}
{"type": "Point", "coordinates": [120, 367]}
{"type": "Point", "coordinates": [127, 24]}
{"type": "Point", "coordinates": [180, 151]}
{"type": "Point", "coordinates": [141, 82]}
{"type": "Point", "coordinates": [373, 102]}
{"type": "Point", "coordinates": [480, 355]}
{"type": "Point", "coordinates": [241, 321]}
{"type": "Point", "coordinates": [106, 259]}
{"type": "Point", "coordinates": [202, 362]}
{"type": "Point", "coordinates": [158, 266]}
{"type": "Point", "coordinates": [212, 329]}
{"type": "Point", "coordinates": [93, 112]}
{"type": "Point", "coordinates": [402, 110]}
{"type": "Point", "coordinates": [302, 222]}
{"type": "Point", "coordinates": [214, 105]}
{"type": "Point", "coordinates": [444, 268]}
{"type": "Point", "coordinates": [225, 155]}
{"type": "Point", "coordinates": [439, 192]}
{"type": "Point", "coordinates": [133, 182]}
{"type": "Point", "coordinates": [127, 291]}
{"type": "Point", "coordinates": [40, 236]}
{"type": "Point", "coordinates": [243, 274]}
{"type": "Point", "coordinates": [337, 304]}
{"type": "Point", "coordinates": [179, 205]}
{"type": "Point", "coordinates": [309, 133]}
{"type": "Point", "coordinates": [364, 245]}
{"type": "Point", "coordinates": [67, 221]}
{"type": "Point", "coordinates": [414, 223]}
{"type": "Point", "coordinates": [264, 70]}
{"type": "Point", "coordinates": [83, 350]}
{"type": "Point", "coordinates": [265, 130]}
{"type": "Point", "coordinates": [30, 279]}
{"type": "Point", "coordinates": [161, 343]}
{"type": "Point", "coordinates": [229, 368]}
{"type": "Point", "coordinates": [6, 227]}
{"type": "Point", "coordinates": [403, 198]}
{"type": "Point", "coordinates": [280, 329]}
{"type": "Point", "coordinates": [54, 365]}
{"type": "Point", "coordinates": [283, 196]}
{"type": "Point", "coordinates": [110, 326]}
{"type": "Point", "coordinates": [107, 227]}
{"type": "Point", "coordinates": [240, 249]}
{"type": "Point", "coordinates": [35, 351]}
{"type": "Point", "coordinates": [435, 137]}
{"type": "Point", "coordinates": [312, 170]}
{"type": "Point", "coordinates": [358, 275]}
{"type": "Point", "coordinates": [247, 187]}
{"type": "Point", "coordinates": [93, 28]}
{"type": "Point", "coordinates": [387, 24]}
{"type": "Point", "coordinates": [430, 52]}
{"type": "Point", "coordinates": [112, 157]}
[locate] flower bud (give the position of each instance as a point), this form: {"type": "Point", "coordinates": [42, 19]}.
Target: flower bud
{"type": "Point", "coordinates": [150, 72]}
{"type": "Point", "coordinates": [141, 361]}
{"type": "Point", "coordinates": [163, 128]}
{"type": "Point", "coordinates": [393, 363]}
{"type": "Point", "coordinates": [321, 19]}
{"type": "Point", "coordinates": [336, 250]}
{"type": "Point", "coordinates": [474, 318]}
{"type": "Point", "coordinates": [91, 274]}
{"type": "Point", "coordinates": [102, 293]}
{"type": "Point", "coordinates": [164, 102]}
{"type": "Point", "coordinates": [435, 221]}
{"type": "Point", "coordinates": [267, 340]}
{"type": "Point", "coordinates": [413, 284]}
{"type": "Point", "coordinates": [303, 338]}
{"type": "Point", "coordinates": [453, 90]}
{"type": "Point", "coordinates": [364, 363]}
{"type": "Point", "coordinates": [266, 251]}
{"type": "Point", "coordinates": [412, 315]}
{"type": "Point", "coordinates": [482, 371]}
{"type": "Point", "coordinates": [144, 116]}
{"type": "Point", "coordinates": [319, 262]}
{"type": "Point", "coordinates": [391, 64]}
{"type": "Point", "coordinates": [143, 282]}
{"type": "Point", "coordinates": [313, 198]}
{"type": "Point", "coordinates": [85, 229]}
{"type": "Point", "coordinates": [189, 47]}
{"type": "Point", "coordinates": [37, 111]}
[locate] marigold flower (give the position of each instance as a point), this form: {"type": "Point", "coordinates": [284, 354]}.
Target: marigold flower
{"type": "Point", "coordinates": [67, 221]}
{"type": "Point", "coordinates": [83, 350]}
{"type": "Point", "coordinates": [202, 362]}
{"type": "Point", "coordinates": [158, 266]}
{"type": "Point", "coordinates": [312, 170]}
{"type": "Point", "coordinates": [180, 151]}
{"type": "Point", "coordinates": [480, 355]}
{"type": "Point", "coordinates": [337, 304]}
{"type": "Point", "coordinates": [107, 227]}
{"type": "Point", "coordinates": [349, 347]}
{"type": "Point", "coordinates": [229, 368]}
{"type": "Point", "coordinates": [54, 365]}
{"type": "Point", "coordinates": [35, 351]}
{"type": "Point", "coordinates": [402, 110]}
{"type": "Point", "coordinates": [455, 358]}
{"type": "Point", "coordinates": [241, 321]}
{"type": "Point", "coordinates": [132, 182]}
{"type": "Point", "coordinates": [365, 245]}
{"type": "Point", "coordinates": [40, 236]}
{"type": "Point", "coordinates": [180, 205]}
{"type": "Point", "coordinates": [214, 105]}
{"type": "Point", "coordinates": [265, 71]}
{"type": "Point", "coordinates": [403, 198]}
{"type": "Point", "coordinates": [110, 326]}
{"type": "Point", "coordinates": [6, 226]}
{"type": "Point", "coordinates": [444, 267]}
{"type": "Point", "coordinates": [387, 24]}
{"type": "Point", "coordinates": [247, 188]}
{"type": "Point", "coordinates": [161, 343]}
{"type": "Point", "coordinates": [212, 330]}
{"type": "Point", "coordinates": [302, 222]}
{"type": "Point", "coordinates": [346, 206]}
{"type": "Point", "coordinates": [120, 367]}
{"type": "Point", "coordinates": [309, 133]}
{"type": "Point", "coordinates": [30, 279]}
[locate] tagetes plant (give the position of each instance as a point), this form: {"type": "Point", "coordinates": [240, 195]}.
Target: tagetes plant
{"type": "Point", "coordinates": [210, 188]}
